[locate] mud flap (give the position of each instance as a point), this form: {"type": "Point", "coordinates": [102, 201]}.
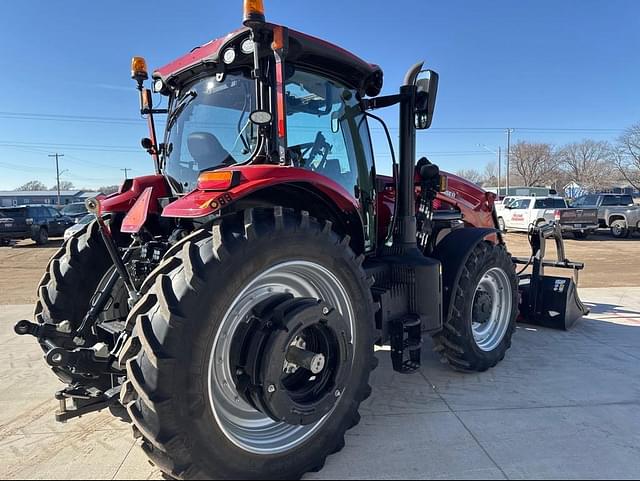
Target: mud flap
{"type": "Point", "coordinates": [554, 303]}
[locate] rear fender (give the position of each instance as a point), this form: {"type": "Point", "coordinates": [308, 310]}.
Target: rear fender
{"type": "Point", "coordinates": [253, 178]}
{"type": "Point", "coordinates": [268, 185]}
{"type": "Point", "coordinates": [453, 252]}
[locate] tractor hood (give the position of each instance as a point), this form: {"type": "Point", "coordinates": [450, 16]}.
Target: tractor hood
{"type": "Point", "coordinates": [304, 51]}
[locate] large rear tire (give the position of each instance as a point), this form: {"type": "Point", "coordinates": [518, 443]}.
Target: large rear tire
{"type": "Point", "coordinates": [485, 305]}
{"type": "Point", "coordinates": [71, 278]}
{"type": "Point", "coordinates": [181, 393]}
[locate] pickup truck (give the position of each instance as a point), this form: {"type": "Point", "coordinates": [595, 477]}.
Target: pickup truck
{"type": "Point", "coordinates": [37, 222]}
{"type": "Point", "coordinates": [525, 212]}
{"type": "Point", "coordinates": [615, 211]}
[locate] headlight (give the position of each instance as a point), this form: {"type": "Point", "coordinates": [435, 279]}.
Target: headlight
{"type": "Point", "coordinates": [247, 46]}
{"type": "Point", "coordinates": [229, 56]}
{"type": "Point", "coordinates": [28, 221]}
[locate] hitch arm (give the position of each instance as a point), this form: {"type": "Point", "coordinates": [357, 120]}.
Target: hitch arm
{"type": "Point", "coordinates": [93, 206]}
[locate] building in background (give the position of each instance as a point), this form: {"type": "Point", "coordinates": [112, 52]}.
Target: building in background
{"type": "Point", "coordinates": [522, 191]}
{"type": "Point", "coordinates": [49, 197]}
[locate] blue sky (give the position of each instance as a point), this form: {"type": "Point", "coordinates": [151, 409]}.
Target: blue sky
{"type": "Point", "coordinates": [545, 65]}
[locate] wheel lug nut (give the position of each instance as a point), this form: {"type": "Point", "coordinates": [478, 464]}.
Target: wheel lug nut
{"type": "Point", "coordinates": [271, 389]}
{"type": "Point", "coordinates": [338, 393]}
{"type": "Point", "coordinates": [325, 310]}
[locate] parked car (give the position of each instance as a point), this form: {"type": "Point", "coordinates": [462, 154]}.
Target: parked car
{"type": "Point", "coordinates": [37, 222]}
{"type": "Point", "coordinates": [617, 212]}
{"type": "Point", "coordinates": [78, 226]}
{"type": "Point", "coordinates": [74, 211]}
{"type": "Point", "coordinates": [525, 212]}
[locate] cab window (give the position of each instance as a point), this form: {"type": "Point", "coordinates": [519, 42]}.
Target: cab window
{"type": "Point", "coordinates": [321, 116]}
{"type": "Point", "coordinates": [520, 204]}
{"type": "Point", "coordinates": [550, 204]}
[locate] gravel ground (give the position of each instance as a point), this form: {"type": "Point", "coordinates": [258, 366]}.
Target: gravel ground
{"type": "Point", "coordinates": [609, 263]}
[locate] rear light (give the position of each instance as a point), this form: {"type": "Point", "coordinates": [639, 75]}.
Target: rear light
{"type": "Point", "coordinates": [557, 216]}
{"type": "Point", "coordinates": [28, 221]}
{"type": "Point", "coordinates": [218, 180]}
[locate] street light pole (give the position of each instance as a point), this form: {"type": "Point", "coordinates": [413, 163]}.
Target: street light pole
{"type": "Point", "coordinates": [499, 153]}
{"type": "Point", "coordinates": [509, 132]}
{"type": "Point", "coordinates": [499, 170]}
{"type": "Point", "coordinates": [56, 155]}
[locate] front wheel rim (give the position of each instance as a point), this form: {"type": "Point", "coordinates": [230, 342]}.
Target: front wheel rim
{"type": "Point", "coordinates": [247, 428]}
{"type": "Point", "coordinates": [489, 333]}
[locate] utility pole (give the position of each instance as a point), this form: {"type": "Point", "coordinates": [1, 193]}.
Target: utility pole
{"type": "Point", "coordinates": [509, 132]}
{"type": "Point", "coordinates": [57, 156]}
{"type": "Point", "coordinates": [126, 176]}
{"type": "Point", "coordinates": [499, 169]}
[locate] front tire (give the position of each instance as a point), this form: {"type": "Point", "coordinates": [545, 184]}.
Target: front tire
{"type": "Point", "coordinates": [484, 309]}
{"type": "Point", "coordinates": [620, 230]}
{"type": "Point", "coordinates": [501, 225]}
{"type": "Point", "coordinates": [43, 237]}
{"type": "Point", "coordinates": [182, 395]}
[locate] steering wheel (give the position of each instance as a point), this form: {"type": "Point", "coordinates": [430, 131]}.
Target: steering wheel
{"type": "Point", "coordinates": [307, 152]}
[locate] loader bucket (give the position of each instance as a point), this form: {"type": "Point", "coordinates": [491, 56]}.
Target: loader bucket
{"type": "Point", "coordinates": [549, 301]}
{"type": "Point", "coordinates": [554, 303]}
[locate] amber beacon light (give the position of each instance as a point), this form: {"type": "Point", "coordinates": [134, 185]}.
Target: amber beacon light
{"type": "Point", "coordinates": [253, 13]}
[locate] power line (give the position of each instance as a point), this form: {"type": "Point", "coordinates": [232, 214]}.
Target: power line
{"type": "Point", "coordinates": [130, 120]}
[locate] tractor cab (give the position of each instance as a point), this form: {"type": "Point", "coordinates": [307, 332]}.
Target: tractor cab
{"type": "Point", "coordinates": [269, 96]}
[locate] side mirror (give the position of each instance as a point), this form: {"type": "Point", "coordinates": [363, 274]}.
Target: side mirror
{"type": "Point", "coordinates": [427, 84]}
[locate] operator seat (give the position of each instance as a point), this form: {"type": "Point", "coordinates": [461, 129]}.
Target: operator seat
{"type": "Point", "coordinates": [332, 169]}
{"type": "Point", "coordinates": [207, 151]}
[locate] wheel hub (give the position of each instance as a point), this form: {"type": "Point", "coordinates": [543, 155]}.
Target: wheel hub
{"type": "Point", "coordinates": [482, 307]}
{"type": "Point", "coordinates": [291, 359]}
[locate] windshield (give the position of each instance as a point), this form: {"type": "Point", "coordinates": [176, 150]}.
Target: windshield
{"type": "Point", "coordinates": [19, 212]}
{"type": "Point", "coordinates": [209, 128]}
{"type": "Point", "coordinates": [74, 209]}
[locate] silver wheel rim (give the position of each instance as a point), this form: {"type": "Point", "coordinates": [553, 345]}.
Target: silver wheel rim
{"type": "Point", "coordinates": [618, 229]}
{"type": "Point", "coordinates": [488, 335]}
{"type": "Point", "coordinates": [244, 426]}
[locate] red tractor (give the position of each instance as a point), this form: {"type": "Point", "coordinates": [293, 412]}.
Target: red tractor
{"type": "Point", "coordinates": [230, 304]}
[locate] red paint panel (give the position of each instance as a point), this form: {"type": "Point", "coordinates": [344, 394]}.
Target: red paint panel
{"type": "Point", "coordinates": [138, 214]}
{"type": "Point", "coordinates": [196, 56]}
{"type": "Point", "coordinates": [127, 197]}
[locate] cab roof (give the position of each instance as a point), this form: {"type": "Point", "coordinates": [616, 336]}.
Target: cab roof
{"type": "Point", "coordinates": [304, 50]}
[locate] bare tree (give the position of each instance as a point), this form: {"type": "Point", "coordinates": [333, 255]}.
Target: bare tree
{"type": "Point", "coordinates": [64, 185]}
{"type": "Point", "coordinates": [627, 155]}
{"type": "Point", "coordinates": [536, 164]}
{"type": "Point", "coordinates": [472, 175]}
{"type": "Point", "coordinates": [490, 174]}
{"type": "Point", "coordinates": [589, 163]}
{"type": "Point", "coordinates": [32, 186]}
{"type": "Point", "coordinates": [107, 189]}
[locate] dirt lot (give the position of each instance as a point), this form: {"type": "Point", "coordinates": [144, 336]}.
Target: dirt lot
{"type": "Point", "coordinates": [610, 263]}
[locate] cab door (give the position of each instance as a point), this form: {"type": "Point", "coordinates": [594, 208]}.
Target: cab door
{"type": "Point", "coordinates": [519, 214]}
{"type": "Point", "coordinates": [327, 133]}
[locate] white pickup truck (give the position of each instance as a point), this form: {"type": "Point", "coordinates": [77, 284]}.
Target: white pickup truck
{"type": "Point", "coordinates": [521, 213]}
